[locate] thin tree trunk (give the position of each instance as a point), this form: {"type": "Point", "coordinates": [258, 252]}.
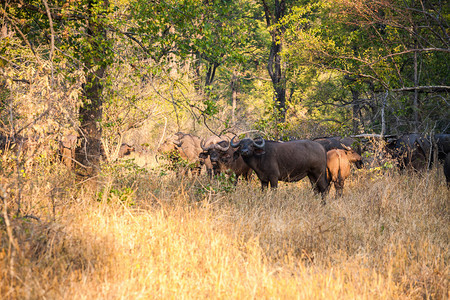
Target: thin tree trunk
{"type": "Point", "coordinates": [383, 107]}
{"type": "Point", "coordinates": [356, 109]}
{"type": "Point", "coordinates": [234, 91]}
{"type": "Point", "coordinates": [416, 93]}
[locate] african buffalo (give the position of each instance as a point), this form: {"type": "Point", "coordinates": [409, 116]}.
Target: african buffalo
{"type": "Point", "coordinates": [16, 143]}
{"type": "Point", "coordinates": [411, 151]}
{"type": "Point", "coordinates": [221, 156]}
{"type": "Point", "coordinates": [23, 147]}
{"type": "Point", "coordinates": [212, 168]}
{"type": "Point", "coordinates": [443, 145]}
{"type": "Point", "coordinates": [289, 161]}
{"type": "Point", "coordinates": [338, 166]}
{"type": "Point", "coordinates": [183, 149]}
{"type": "Point", "coordinates": [125, 149]}
{"type": "Point", "coordinates": [447, 169]}
{"type": "Point", "coordinates": [339, 143]}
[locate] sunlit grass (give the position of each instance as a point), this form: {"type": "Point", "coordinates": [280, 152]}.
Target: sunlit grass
{"type": "Point", "coordinates": [172, 237]}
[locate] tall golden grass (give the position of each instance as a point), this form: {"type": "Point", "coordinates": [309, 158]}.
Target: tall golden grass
{"type": "Point", "coordinates": [145, 235]}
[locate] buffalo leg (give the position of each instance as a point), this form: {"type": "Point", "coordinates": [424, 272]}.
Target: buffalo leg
{"type": "Point", "coordinates": [320, 185]}
{"type": "Point", "coordinates": [236, 179]}
{"type": "Point", "coordinates": [273, 183]}
{"type": "Point", "coordinates": [339, 186]}
{"type": "Point", "coordinates": [264, 185]}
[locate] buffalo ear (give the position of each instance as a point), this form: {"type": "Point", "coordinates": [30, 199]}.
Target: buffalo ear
{"type": "Point", "coordinates": [236, 155]}
{"type": "Point", "coordinates": [203, 155]}
{"type": "Point", "coordinates": [259, 151]}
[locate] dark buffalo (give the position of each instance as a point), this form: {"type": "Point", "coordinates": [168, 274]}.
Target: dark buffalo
{"type": "Point", "coordinates": [443, 145]}
{"type": "Point", "coordinates": [411, 151]}
{"type": "Point", "coordinates": [16, 143]}
{"type": "Point", "coordinates": [212, 168]}
{"type": "Point", "coordinates": [221, 156]}
{"type": "Point", "coordinates": [338, 166]}
{"type": "Point", "coordinates": [183, 149]}
{"type": "Point", "coordinates": [447, 169]}
{"type": "Point", "coordinates": [125, 149]}
{"type": "Point", "coordinates": [330, 143]}
{"type": "Point", "coordinates": [23, 147]}
{"type": "Point", "coordinates": [289, 161]}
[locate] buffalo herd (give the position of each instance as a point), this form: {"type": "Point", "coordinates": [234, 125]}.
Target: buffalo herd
{"type": "Point", "coordinates": [324, 161]}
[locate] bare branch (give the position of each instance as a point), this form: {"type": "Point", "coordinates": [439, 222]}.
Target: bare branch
{"type": "Point", "coordinates": [424, 89]}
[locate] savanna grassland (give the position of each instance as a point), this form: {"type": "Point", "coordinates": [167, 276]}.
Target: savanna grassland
{"type": "Point", "coordinates": [108, 72]}
{"type": "Point", "coordinates": [145, 233]}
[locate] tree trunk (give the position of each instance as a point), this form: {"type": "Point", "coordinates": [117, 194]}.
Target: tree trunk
{"type": "Point", "coordinates": [89, 151]}
{"type": "Point", "coordinates": [356, 111]}
{"type": "Point", "coordinates": [274, 66]}
{"type": "Point", "coordinates": [383, 108]}
{"type": "Point", "coordinates": [234, 91]}
{"type": "Point", "coordinates": [416, 93]}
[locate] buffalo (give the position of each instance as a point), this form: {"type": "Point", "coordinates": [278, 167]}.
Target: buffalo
{"type": "Point", "coordinates": [443, 145]}
{"type": "Point", "coordinates": [125, 149]}
{"type": "Point", "coordinates": [443, 153]}
{"type": "Point", "coordinates": [338, 166]}
{"type": "Point", "coordinates": [221, 156]}
{"type": "Point", "coordinates": [289, 161]}
{"type": "Point", "coordinates": [411, 151]}
{"type": "Point", "coordinates": [447, 169]}
{"type": "Point", "coordinates": [23, 147]}
{"type": "Point", "coordinates": [182, 150]}
{"type": "Point", "coordinates": [17, 143]}
{"type": "Point", "coordinates": [212, 168]}
{"type": "Point", "coordinates": [330, 143]}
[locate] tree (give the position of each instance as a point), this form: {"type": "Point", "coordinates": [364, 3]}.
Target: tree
{"type": "Point", "coordinates": [274, 13]}
{"type": "Point", "coordinates": [75, 34]}
{"type": "Point", "coordinates": [205, 34]}
{"type": "Point", "coordinates": [384, 46]}
{"type": "Point", "coordinates": [94, 55]}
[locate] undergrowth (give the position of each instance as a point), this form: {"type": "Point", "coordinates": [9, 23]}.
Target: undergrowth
{"type": "Point", "coordinates": [146, 234]}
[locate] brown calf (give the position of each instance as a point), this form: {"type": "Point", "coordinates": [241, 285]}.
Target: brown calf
{"type": "Point", "coordinates": [338, 166]}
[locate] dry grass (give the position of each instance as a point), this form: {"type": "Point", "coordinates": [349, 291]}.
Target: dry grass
{"type": "Point", "coordinates": [150, 236]}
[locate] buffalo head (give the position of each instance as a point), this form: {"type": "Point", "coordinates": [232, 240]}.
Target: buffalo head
{"type": "Point", "coordinates": [353, 156]}
{"type": "Point", "coordinates": [216, 152]}
{"type": "Point", "coordinates": [248, 147]}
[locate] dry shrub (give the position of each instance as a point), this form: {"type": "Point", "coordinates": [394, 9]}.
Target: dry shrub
{"type": "Point", "coordinates": [387, 237]}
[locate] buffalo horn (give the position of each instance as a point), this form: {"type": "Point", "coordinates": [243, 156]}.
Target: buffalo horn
{"type": "Point", "coordinates": [261, 145]}
{"type": "Point", "coordinates": [346, 147]}
{"type": "Point", "coordinates": [219, 147]}
{"type": "Point", "coordinates": [232, 144]}
{"type": "Point", "coordinates": [202, 144]}
{"type": "Point", "coordinates": [178, 143]}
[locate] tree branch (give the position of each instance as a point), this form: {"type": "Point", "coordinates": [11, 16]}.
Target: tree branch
{"type": "Point", "coordinates": [424, 89]}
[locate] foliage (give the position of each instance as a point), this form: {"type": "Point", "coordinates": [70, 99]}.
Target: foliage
{"type": "Point", "coordinates": [373, 46]}
{"type": "Point", "coordinates": [221, 183]}
{"type": "Point", "coordinates": [151, 68]}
